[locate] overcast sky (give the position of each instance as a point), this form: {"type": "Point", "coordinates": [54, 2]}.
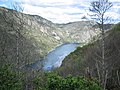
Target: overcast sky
{"type": "Point", "coordinates": [61, 11]}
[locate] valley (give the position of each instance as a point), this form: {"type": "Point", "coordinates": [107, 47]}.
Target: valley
{"type": "Point", "coordinates": [37, 36]}
{"type": "Point", "coordinates": [37, 54]}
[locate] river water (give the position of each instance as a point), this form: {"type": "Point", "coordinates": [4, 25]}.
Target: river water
{"type": "Point", "coordinates": [54, 58]}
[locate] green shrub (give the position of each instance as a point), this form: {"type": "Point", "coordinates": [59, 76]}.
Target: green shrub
{"type": "Point", "coordinates": [56, 82]}
{"type": "Point", "coordinates": [9, 79]}
{"type": "Point", "coordinates": [38, 83]}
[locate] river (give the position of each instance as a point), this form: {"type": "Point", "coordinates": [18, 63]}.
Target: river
{"type": "Point", "coordinates": [54, 58]}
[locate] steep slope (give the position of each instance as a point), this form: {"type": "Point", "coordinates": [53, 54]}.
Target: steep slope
{"type": "Point", "coordinates": [81, 31]}
{"type": "Point", "coordinates": [33, 35]}
{"type": "Point", "coordinates": [27, 38]}
{"type": "Point", "coordinates": [88, 58]}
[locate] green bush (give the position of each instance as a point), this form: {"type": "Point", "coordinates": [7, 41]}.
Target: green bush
{"type": "Point", "coordinates": [56, 82]}
{"type": "Point", "coordinates": [9, 79]}
{"type": "Point", "coordinates": [38, 83]}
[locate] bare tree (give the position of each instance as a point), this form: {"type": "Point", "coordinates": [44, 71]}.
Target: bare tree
{"type": "Point", "coordinates": [20, 21]}
{"type": "Point", "coordinates": [99, 8]}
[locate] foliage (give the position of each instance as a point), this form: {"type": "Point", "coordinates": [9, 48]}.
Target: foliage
{"type": "Point", "coordinates": [117, 27]}
{"type": "Point", "coordinates": [56, 82]}
{"type": "Point", "coordinates": [87, 55]}
{"type": "Point", "coordinates": [38, 83]}
{"type": "Point", "coordinates": [73, 63]}
{"type": "Point", "coordinates": [9, 79]}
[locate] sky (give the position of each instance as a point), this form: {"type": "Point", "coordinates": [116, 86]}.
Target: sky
{"type": "Point", "coordinates": [61, 11]}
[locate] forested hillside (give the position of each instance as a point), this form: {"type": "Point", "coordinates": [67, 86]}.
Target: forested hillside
{"type": "Point", "coordinates": [26, 38]}
{"type": "Point", "coordinates": [86, 60]}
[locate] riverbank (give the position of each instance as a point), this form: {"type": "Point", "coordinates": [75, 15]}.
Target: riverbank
{"type": "Point", "coordinates": [55, 57]}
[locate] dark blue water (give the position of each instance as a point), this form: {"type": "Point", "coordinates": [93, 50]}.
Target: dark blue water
{"type": "Point", "coordinates": [54, 58]}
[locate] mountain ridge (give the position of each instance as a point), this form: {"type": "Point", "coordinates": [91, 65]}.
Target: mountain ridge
{"type": "Point", "coordinates": [42, 34]}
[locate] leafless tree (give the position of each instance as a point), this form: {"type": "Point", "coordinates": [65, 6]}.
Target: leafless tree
{"type": "Point", "coordinates": [20, 21]}
{"type": "Point", "coordinates": [99, 8]}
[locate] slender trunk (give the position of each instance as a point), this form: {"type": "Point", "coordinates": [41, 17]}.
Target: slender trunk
{"type": "Point", "coordinates": [105, 80]}
{"type": "Point", "coordinates": [118, 77]}
{"type": "Point", "coordinates": [98, 71]}
{"type": "Point", "coordinates": [17, 51]}
{"type": "Point", "coordinates": [103, 54]}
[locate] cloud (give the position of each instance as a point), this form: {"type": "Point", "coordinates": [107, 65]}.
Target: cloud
{"type": "Point", "coordinates": [63, 11]}
{"type": "Point", "coordinates": [58, 11]}
{"type": "Point", "coordinates": [3, 5]}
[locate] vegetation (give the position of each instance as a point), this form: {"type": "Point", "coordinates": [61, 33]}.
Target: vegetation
{"type": "Point", "coordinates": [73, 63]}
{"type": "Point", "coordinates": [99, 8]}
{"type": "Point", "coordinates": [83, 60]}
{"type": "Point", "coordinates": [95, 66]}
{"type": "Point", "coordinates": [116, 27]}
{"type": "Point", "coordinates": [8, 79]}
{"type": "Point", "coordinates": [56, 82]}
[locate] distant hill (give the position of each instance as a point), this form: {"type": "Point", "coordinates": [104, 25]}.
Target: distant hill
{"type": "Point", "coordinates": [80, 31]}
{"type": "Point", "coordinates": [33, 36]}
